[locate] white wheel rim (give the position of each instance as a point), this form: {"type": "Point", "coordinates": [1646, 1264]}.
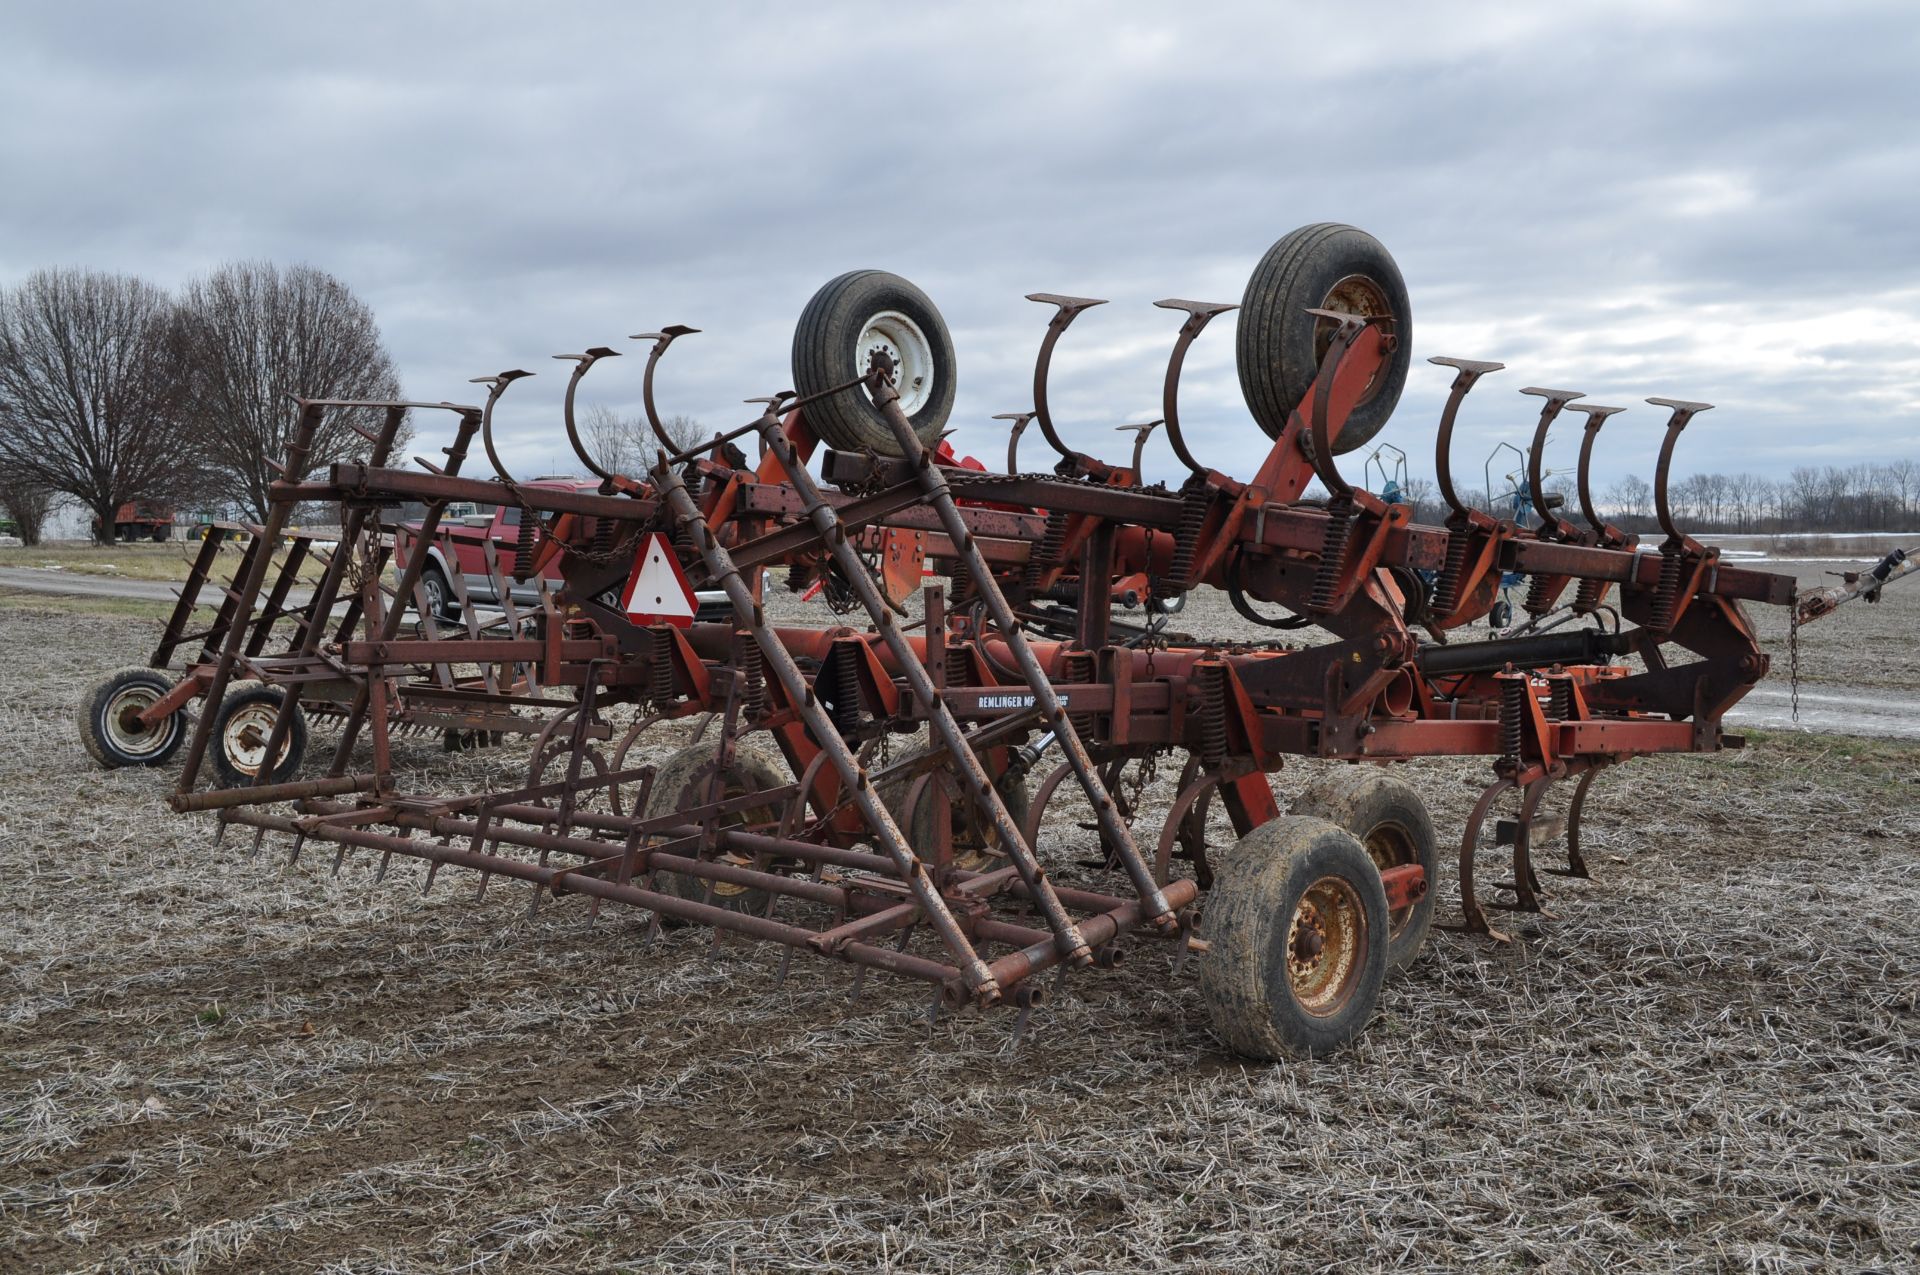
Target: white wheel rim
{"type": "Point", "coordinates": [902, 341]}
{"type": "Point", "coordinates": [123, 728]}
{"type": "Point", "coordinates": [245, 738]}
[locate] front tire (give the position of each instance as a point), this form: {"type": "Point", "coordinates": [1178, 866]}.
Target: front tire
{"type": "Point", "coordinates": [1296, 926]}
{"type": "Point", "coordinates": [844, 323]}
{"type": "Point", "coordinates": [109, 729]}
{"type": "Point", "coordinates": [433, 583]}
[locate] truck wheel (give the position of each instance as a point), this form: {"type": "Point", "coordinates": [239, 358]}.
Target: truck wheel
{"type": "Point", "coordinates": [163, 532]}
{"type": "Point", "coordinates": [1296, 927]}
{"type": "Point", "coordinates": [845, 322]}
{"type": "Point", "coordinates": [1388, 819]}
{"type": "Point", "coordinates": [240, 731]}
{"type": "Point", "coordinates": [109, 729]}
{"type": "Point", "coordinates": [1326, 266]}
{"type": "Point", "coordinates": [681, 782]}
{"type": "Point", "coordinates": [433, 583]}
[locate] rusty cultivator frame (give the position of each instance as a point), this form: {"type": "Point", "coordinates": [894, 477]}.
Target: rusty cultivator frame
{"type": "Point", "coordinates": [978, 615]}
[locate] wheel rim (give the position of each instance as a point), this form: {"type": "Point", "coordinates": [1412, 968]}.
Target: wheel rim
{"type": "Point", "coordinates": [436, 593]}
{"type": "Point", "coordinates": [124, 729]}
{"type": "Point", "coordinates": [244, 740]}
{"type": "Point", "coordinates": [1391, 846]}
{"type": "Point", "coordinates": [1325, 941]}
{"type": "Point", "coordinates": [1355, 294]}
{"type": "Point", "coordinates": [901, 339]}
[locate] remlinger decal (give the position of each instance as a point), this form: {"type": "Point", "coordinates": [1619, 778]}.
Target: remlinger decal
{"type": "Point", "coordinates": [1013, 701]}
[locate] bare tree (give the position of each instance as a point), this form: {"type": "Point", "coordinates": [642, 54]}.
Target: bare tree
{"type": "Point", "coordinates": [627, 444]}
{"type": "Point", "coordinates": [27, 504]}
{"type": "Point", "coordinates": [90, 390]}
{"type": "Point", "coordinates": [257, 336]}
{"type": "Point", "coordinates": [1631, 497]}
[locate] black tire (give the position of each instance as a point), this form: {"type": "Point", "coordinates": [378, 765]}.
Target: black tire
{"type": "Point", "coordinates": [240, 730]}
{"type": "Point", "coordinates": [1323, 266]}
{"type": "Point", "coordinates": [1390, 821]}
{"type": "Point", "coordinates": [680, 783]}
{"type": "Point", "coordinates": [828, 350]}
{"type": "Point", "coordinates": [1268, 993]}
{"type": "Point", "coordinates": [976, 845]}
{"type": "Point", "coordinates": [440, 601]}
{"type": "Point", "coordinates": [1173, 605]}
{"type": "Point", "coordinates": [162, 532]}
{"type": "Point", "coordinates": [108, 731]}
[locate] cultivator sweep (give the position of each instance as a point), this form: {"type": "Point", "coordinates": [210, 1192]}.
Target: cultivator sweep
{"type": "Point", "coordinates": [977, 611]}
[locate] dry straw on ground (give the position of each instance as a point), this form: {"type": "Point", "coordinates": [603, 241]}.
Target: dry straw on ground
{"type": "Point", "coordinates": [1708, 1061]}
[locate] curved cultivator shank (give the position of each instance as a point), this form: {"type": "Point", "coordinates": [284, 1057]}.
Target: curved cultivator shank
{"type": "Point", "coordinates": [789, 821]}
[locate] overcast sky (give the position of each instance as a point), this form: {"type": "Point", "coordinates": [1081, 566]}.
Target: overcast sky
{"type": "Point", "coordinates": [1707, 201]}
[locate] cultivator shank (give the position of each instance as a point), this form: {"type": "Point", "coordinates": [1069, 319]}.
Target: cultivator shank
{"type": "Point", "coordinates": [790, 820]}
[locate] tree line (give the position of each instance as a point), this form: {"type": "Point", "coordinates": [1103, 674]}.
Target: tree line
{"type": "Point", "coordinates": [1818, 498]}
{"type": "Point", "coordinates": [113, 390]}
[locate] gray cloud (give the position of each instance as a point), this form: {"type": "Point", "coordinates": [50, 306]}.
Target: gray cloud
{"type": "Point", "coordinates": [1709, 201]}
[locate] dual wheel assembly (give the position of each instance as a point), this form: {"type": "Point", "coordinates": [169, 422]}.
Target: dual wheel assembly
{"type": "Point", "coordinates": [112, 732]}
{"type": "Point", "coordinates": [1300, 936]}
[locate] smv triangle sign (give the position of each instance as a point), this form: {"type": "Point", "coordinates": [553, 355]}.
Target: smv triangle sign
{"type": "Point", "coordinates": [657, 590]}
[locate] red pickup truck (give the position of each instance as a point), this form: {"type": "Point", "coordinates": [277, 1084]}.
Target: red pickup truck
{"type": "Point", "coordinates": [469, 528]}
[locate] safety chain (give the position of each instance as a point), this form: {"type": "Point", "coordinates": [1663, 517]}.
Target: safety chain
{"type": "Point", "coordinates": [1793, 656]}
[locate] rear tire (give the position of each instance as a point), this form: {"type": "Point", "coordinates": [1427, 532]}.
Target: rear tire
{"type": "Point", "coordinates": [1279, 345]}
{"type": "Point", "coordinates": [240, 730]}
{"type": "Point", "coordinates": [108, 730]}
{"type": "Point", "coordinates": [1390, 821]}
{"type": "Point", "coordinates": [681, 783]}
{"type": "Point", "coordinates": [841, 326]}
{"type": "Point", "coordinates": [1296, 926]}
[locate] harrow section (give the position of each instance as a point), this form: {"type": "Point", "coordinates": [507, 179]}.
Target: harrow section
{"type": "Point", "coordinates": [791, 821]}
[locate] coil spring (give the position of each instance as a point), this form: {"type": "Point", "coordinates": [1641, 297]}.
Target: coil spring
{"type": "Point", "coordinates": [1213, 711]}
{"type": "Point", "coordinates": [959, 667]}
{"type": "Point", "coordinates": [799, 576]}
{"type": "Point", "coordinates": [1186, 537]}
{"type": "Point", "coordinates": [1560, 699]}
{"type": "Point", "coordinates": [1586, 599]}
{"type": "Point", "coordinates": [1513, 711]}
{"type": "Point", "coordinates": [1333, 555]}
{"type": "Point", "coordinates": [1078, 669]}
{"type": "Point", "coordinates": [1047, 553]}
{"type": "Point", "coordinates": [1539, 596]}
{"type": "Point", "coordinates": [1446, 590]}
{"type": "Point", "coordinates": [604, 530]}
{"type": "Point", "coordinates": [1663, 599]}
{"type": "Point", "coordinates": [843, 679]}
{"type": "Point", "coordinates": [961, 578]}
{"type": "Point", "coordinates": [660, 685]}
{"type": "Point", "coordinates": [753, 669]}
{"type": "Point", "coordinates": [523, 549]}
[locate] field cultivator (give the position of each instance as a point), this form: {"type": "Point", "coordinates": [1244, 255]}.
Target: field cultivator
{"type": "Point", "coordinates": [978, 632]}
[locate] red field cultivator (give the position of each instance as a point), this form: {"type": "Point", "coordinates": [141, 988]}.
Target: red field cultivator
{"type": "Point", "coordinates": [978, 613]}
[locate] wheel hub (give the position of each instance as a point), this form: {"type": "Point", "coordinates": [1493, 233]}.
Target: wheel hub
{"type": "Point", "coordinates": [899, 338]}
{"type": "Point", "coordinates": [1324, 942]}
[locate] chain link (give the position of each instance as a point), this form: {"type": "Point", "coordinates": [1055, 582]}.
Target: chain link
{"type": "Point", "coordinates": [1793, 656]}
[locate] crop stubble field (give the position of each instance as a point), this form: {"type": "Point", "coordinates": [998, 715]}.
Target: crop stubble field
{"type": "Point", "coordinates": [1706, 1061]}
